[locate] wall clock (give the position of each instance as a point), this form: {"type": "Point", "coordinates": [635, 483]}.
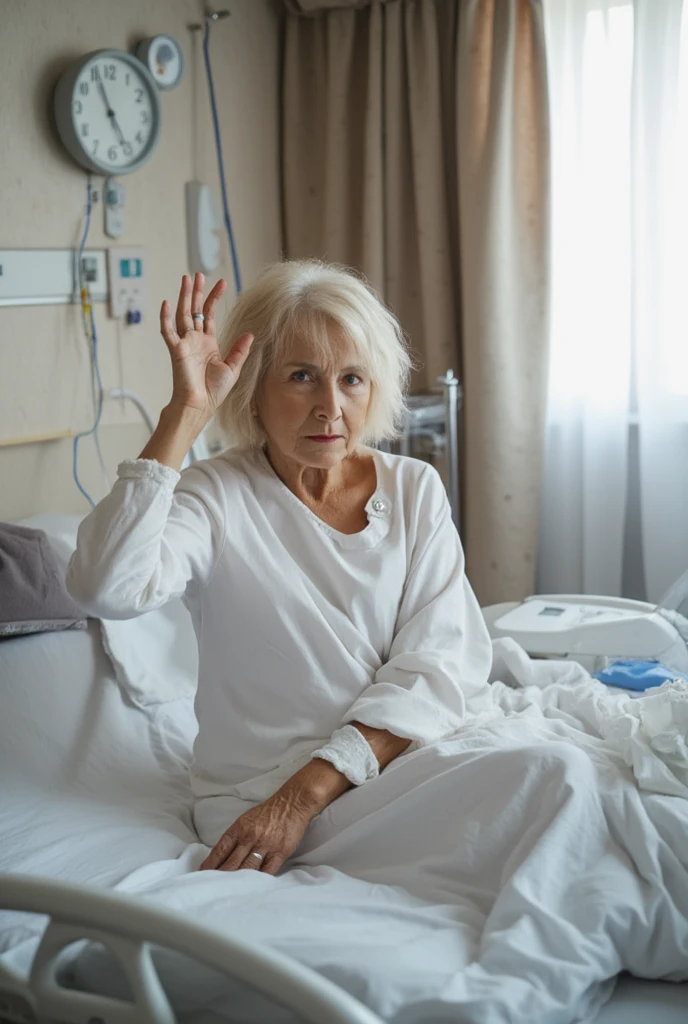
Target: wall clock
{"type": "Point", "coordinates": [107, 112]}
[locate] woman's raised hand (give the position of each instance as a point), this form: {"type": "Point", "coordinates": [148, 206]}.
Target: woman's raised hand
{"type": "Point", "coordinates": [201, 378]}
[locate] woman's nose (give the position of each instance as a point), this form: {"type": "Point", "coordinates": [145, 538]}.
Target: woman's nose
{"type": "Point", "coordinates": [328, 406]}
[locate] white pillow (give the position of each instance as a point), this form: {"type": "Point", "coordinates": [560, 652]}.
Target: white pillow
{"type": "Point", "coordinates": [61, 531]}
{"type": "Point", "coordinates": [155, 656]}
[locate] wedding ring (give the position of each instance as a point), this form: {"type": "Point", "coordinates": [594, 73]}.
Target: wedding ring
{"type": "Point", "coordinates": [197, 316]}
{"type": "Point", "coordinates": [258, 855]}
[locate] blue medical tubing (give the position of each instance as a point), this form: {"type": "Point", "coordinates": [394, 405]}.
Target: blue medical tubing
{"type": "Point", "coordinates": [89, 326]}
{"type": "Point", "coordinates": [218, 147]}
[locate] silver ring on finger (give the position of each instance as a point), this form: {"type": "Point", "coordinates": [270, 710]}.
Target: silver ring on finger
{"type": "Point", "coordinates": [258, 855]}
{"type": "Point", "coordinates": [197, 316]}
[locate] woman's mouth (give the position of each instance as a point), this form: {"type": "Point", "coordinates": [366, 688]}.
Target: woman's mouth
{"type": "Point", "coordinates": [324, 438]}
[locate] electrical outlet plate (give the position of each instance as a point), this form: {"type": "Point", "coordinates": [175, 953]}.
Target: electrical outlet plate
{"type": "Point", "coordinates": [47, 277]}
{"type": "Point", "coordinates": [126, 271]}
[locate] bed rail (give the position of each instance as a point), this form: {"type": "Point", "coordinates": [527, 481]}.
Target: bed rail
{"type": "Point", "coordinates": [128, 927]}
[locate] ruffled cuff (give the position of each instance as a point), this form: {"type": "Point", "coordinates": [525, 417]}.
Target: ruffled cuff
{"type": "Point", "coordinates": [148, 469]}
{"type": "Point", "coordinates": [351, 754]}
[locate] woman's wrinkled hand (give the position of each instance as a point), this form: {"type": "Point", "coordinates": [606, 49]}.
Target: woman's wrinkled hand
{"type": "Point", "coordinates": [201, 378]}
{"type": "Point", "coordinates": [273, 829]}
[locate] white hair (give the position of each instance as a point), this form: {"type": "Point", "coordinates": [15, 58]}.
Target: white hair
{"type": "Point", "coordinates": [307, 298]}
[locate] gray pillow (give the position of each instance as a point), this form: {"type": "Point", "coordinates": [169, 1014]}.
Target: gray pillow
{"type": "Point", "coordinates": [33, 597]}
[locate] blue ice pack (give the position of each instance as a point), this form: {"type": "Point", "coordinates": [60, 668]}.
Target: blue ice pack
{"type": "Point", "coordinates": [636, 675]}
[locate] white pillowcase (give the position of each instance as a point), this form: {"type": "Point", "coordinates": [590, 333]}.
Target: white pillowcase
{"type": "Point", "coordinates": [155, 656]}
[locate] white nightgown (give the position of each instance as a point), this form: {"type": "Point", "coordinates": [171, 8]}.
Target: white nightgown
{"type": "Point", "coordinates": [300, 628]}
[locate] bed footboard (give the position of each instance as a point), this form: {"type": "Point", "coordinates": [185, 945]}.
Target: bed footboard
{"type": "Point", "coordinates": [128, 927]}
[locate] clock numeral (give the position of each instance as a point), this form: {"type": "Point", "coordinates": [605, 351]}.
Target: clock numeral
{"type": "Point", "coordinates": [145, 117]}
{"type": "Point", "coordinates": [83, 88]}
{"type": "Point", "coordinates": [127, 148]}
{"type": "Point", "coordinates": [84, 130]}
{"type": "Point", "coordinates": [112, 153]}
{"type": "Point", "coordinates": [111, 72]}
{"type": "Point", "coordinates": [127, 78]}
{"type": "Point", "coordinates": [95, 73]}
{"type": "Point", "coordinates": [139, 138]}
{"type": "Point", "coordinates": [78, 106]}
{"type": "Point", "coordinates": [95, 146]}
{"type": "Point", "coordinates": [139, 95]}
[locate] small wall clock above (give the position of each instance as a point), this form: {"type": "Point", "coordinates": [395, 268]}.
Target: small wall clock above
{"type": "Point", "coordinates": [163, 57]}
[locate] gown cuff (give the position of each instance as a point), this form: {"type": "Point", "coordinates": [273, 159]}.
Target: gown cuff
{"type": "Point", "coordinates": [148, 469]}
{"type": "Point", "coordinates": [351, 754]}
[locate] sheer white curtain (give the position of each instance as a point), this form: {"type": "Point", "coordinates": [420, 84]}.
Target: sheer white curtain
{"type": "Point", "coordinates": [618, 388]}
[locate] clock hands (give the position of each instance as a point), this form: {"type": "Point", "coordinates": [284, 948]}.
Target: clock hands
{"type": "Point", "coordinates": [118, 131]}
{"type": "Point", "coordinates": [101, 90]}
{"type": "Point", "coordinates": [112, 116]}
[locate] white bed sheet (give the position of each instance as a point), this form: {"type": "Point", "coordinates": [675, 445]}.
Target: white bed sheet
{"type": "Point", "coordinates": [91, 786]}
{"type": "Point", "coordinates": [94, 790]}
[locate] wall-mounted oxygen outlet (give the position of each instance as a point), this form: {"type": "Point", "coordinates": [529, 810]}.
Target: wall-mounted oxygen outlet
{"type": "Point", "coordinates": [126, 271]}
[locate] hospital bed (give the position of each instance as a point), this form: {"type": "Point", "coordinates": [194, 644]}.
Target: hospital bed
{"type": "Point", "coordinates": [94, 789]}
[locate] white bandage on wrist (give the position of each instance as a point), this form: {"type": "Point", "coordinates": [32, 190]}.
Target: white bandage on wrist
{"type": "Point", "coordinates": [351, 754]}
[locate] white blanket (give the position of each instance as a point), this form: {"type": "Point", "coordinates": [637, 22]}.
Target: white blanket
{"type": "Point", "coordinates": [502, 876]}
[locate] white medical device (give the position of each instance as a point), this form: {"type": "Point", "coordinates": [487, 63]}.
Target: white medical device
{"type": "Point", "coordinates": [202, 227]}
{"type": "Point", "coordinates": [596, 631]}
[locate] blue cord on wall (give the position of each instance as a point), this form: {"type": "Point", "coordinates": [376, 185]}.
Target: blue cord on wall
{"type": "Point", "coordinates": [90, 327]}
{"type": "Point", "coordinates": [218, 147]}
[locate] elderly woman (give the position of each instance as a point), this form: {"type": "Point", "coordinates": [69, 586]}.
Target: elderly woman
{"type": "Point", "coordinates": [336, 629]}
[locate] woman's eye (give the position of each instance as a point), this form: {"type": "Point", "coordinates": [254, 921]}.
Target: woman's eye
{"type": "Point", "coordinates": [352, 379]}
{"type": "Point", "coordinates": [299, 376]}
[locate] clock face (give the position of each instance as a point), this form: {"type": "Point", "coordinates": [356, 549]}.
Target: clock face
{"type": "Point", "coordinates": [114, 116]}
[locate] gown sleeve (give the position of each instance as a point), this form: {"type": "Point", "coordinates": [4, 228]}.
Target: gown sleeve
{"type": "Point", "coordinates": [439, 662]}
{"type": "Point", "coordinates": [157, 533]}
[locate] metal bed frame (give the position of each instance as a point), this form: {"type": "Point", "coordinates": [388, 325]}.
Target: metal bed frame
{"type": "Point", "coordinates": [128, 927]}
{"type": "Point", "coordinates": [424, 414]}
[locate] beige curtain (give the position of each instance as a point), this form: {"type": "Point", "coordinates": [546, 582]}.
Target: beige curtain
{"type": "Point", "coordinates": [415, 147]}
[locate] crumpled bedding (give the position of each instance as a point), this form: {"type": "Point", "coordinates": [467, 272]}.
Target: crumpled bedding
{"type": "Point", "coordinates": [650, 733]}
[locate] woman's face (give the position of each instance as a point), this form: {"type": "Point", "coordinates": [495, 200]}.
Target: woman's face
{"type": "Point", "coordinates": [313, 413]}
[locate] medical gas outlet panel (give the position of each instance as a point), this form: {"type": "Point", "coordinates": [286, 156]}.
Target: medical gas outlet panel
{"type": "Point", "coordinates": [48, 277]}
{"type": "Point", "coordinates": [127, 284]}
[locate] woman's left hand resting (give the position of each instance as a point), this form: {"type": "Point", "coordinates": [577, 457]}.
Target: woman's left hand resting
{"type": "Point", "coordinates": [275, 828]}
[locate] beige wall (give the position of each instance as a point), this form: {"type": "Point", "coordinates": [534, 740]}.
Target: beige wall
{"type": "Point", "coordinates": [44, 359]}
